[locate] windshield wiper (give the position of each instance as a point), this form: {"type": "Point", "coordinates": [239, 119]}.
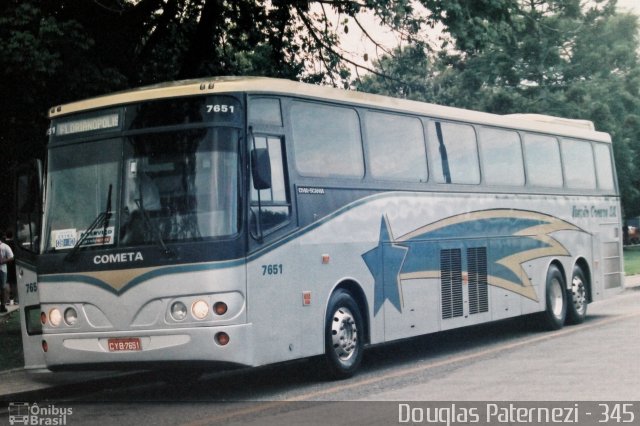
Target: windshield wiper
{"type": "Point", "coordinates": [104, 218]}
{"type": "Point", "coordinates": [107, 216]}
{"type": "Point", "coordinates": [154, 229]}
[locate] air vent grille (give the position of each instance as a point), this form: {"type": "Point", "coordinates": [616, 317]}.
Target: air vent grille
{"type": "Point", "coordinates": [451, 283]}
{"type": "Point", "coordinates": [478, 293]}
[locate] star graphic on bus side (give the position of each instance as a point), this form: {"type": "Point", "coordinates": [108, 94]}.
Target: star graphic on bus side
{"type": "Point", "coordinates": [510, 237]}
{"type": "Point", "coordinates": [385, 262]}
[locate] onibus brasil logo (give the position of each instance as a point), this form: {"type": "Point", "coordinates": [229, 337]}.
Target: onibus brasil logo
{"type": "Point", "coordinates": [512, 237]}
{"type": "Point", "coordinates": [25, 413]}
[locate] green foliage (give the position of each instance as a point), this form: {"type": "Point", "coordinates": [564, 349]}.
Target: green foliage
{"type": "Point", "coordinates": [564, 57]}
{"type": "Point", "coordinates": [42, 60]}
{"type": "Point", "coordinates": [632, 260]}
{"type": "Point", "coordinates": [52, 52]}
{"type": "Point", "coordinates": [556, 57]}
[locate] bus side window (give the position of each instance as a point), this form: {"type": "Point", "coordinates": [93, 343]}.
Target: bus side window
{"type": "Point", "coordinates": [542, 159]}
{"type": "Point", "coordinates": [501, 155]}
{"type": "Point", "coordinates": [604, 168]}
{"type": "Point", "coordinates": [265, 111]}
{"type": "Point", "coordinates": [579, 167]}
{"type": "Point", "coordinates": [396, 147]}
{"type": "Point", "coordinates": [273, 206]}
{"type": "Point", "coordinates": [454, 152]}
{"type": "Point", "coordinates": [326, 140]}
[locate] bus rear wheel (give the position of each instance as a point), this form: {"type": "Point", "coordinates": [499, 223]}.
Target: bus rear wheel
{"type": "Point", "coordinates": [344, 334]}
{"type": "Point", "coordinates": [577, 305]}
{"type": "Point", "coordinates": [553, 317]}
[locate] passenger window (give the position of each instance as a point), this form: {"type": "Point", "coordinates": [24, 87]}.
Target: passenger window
{"type": "Point", "coordinates": [542, 159]}
{"type": "Point", "coordinates": [265, 111]}
{"type": "Point", "coordinates": [396, 148]}
{"type": "Point", "coordinates": [271, 206]}
{"type": "Point", "coordinates": [454, 153]}
{"type": "Point", "coordinates": [326, 140]}
{"type": "Point", "coordinates": [501, 155]}
{"type": "Point", "coordinates": [604, 169]}
{"type": "Point", "coordinates": [579, 168]}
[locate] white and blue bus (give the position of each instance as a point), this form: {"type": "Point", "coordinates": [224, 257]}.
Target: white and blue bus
{"type": "Point", "coordinates": [248, 221]}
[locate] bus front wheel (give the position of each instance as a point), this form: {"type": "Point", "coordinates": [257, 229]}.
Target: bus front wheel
{"type": "Point", "coordinates": [553, 317]}
{"type": "Point", "coordinates": [577, 304]}
{"type": "Point", "coordinates": [344, 334]}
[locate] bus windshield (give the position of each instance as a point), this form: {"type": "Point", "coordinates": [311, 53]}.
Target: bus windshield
{"type": "Point", "coordinates": [160, 187]}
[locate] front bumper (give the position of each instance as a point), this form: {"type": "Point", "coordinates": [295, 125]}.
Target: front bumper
{"type": "Point", "coordinates": [177, 346]}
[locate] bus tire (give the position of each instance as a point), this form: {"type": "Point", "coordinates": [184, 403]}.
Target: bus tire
{"type": "Point", "coordinates": [344, 334]}
{"type": "Point", "coordinates": [578, 300]}
{"type": "Point", "coordinates": [553, 317]}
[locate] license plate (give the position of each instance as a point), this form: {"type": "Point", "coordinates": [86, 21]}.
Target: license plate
{"type": "Point", "coordinates": [124, 344]}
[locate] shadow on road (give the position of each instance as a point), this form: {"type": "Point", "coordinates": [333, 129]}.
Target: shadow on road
{"type": "Point", "coordinates": [288, 379]}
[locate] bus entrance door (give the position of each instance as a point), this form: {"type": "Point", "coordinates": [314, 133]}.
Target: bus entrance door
{"type": "Point", "coordinates": [28, 207]}
{"type": "Point", "coordinates": [30, 324]}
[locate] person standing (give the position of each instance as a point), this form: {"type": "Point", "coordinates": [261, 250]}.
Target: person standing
{"type": "Point", "coordinates": [6, 256]}
{"type": "Point", "coordinates": [12, 281]}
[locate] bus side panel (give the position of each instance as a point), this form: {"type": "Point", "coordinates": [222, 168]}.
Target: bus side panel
{"type": "Point", "coordinates": [421, 259]}
{"type": "Point", "coordinates": [289, 286]}
{"type": "Point", "coordinates": [608, 253]}
{"type": "Point", "coordinates": [274, 303]}
{"type": "Point", "coordinates": [27, 280]}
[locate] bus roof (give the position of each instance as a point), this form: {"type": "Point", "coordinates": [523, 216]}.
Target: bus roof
{"type": "Point", "coordinates": [530, 122]}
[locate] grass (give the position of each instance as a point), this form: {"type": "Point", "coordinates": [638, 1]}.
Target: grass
{"type": "Point", "coordinates": [11, 342]}
{"type": "Point", "coordinates": [632, 260]}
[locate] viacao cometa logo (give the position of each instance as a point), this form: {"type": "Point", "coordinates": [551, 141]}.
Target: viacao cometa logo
{"type": "Point", "coordinates": [24, 413]}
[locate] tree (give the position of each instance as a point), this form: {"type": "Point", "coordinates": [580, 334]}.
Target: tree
{"type": "Point", "coordinates": [55, 51]}
{"type": "Point", "coordinates": [556, 57]}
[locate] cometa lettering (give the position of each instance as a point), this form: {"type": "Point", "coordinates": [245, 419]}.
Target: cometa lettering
{"type": "Point", "coordinates": [118, 258]}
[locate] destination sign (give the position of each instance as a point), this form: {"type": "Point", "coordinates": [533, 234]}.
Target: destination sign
{"type": "Point", "coordinates": [102, 122]}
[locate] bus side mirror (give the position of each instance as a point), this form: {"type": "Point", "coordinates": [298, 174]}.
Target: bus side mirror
{"type": "Point", "coordinates": [261, 168]}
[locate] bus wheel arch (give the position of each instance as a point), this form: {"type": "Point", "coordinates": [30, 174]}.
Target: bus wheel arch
{"type": "Point", "coordinates": [579, 292]}
{"type": "Point", "coordinates": [345, 332]}
{"type": "Point", "coordinates": [355, 290]}
{"type": "Point", "coordinates": [556, 295]}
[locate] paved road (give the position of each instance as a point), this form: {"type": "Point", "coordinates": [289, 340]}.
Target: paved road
{"type": "Point", "coordinates": [599, 360]}
{"type": "Point", "coordinates": [506, 361]}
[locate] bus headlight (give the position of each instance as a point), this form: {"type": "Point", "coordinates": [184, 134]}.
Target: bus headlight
{"type": "Point", "coordinates": [200, 309]}
{"type": "Point", "coordinates": [55, 317]}
{"type": "Point", "coordinates": [70, 316]}
{"type": "Point", "coordinates": [178, 311]}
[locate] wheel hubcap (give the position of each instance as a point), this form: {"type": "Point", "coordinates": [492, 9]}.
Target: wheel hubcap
{"type": "Point", "coordinates": [344, 334]}
{"type": "Point", "coordinates": [555, 298]}
{"type": "Point", "coordinates": [579, 294]}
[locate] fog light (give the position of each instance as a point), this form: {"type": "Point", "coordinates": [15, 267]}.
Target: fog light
{"type": "Point", "coordinates": [222, 338]}
{"type": "Point", "coordinates": [70, 316]}
{"type": "Point", "coordinates": [55, 317]}
{"type": "Point", "coordinates": [200, 309]}
{"type": "Point", "coordinates": [45, 346]}
{"type": "Point", "coordinates": [220, 308]}
{"type": "Point", "coordinates": [178, 311]}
